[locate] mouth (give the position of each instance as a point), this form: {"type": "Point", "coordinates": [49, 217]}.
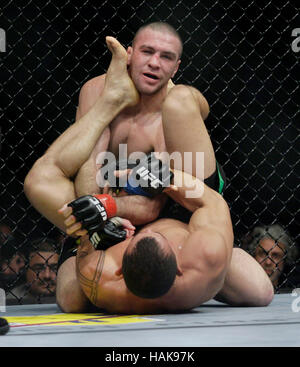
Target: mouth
{"type": "Point", "coordinates": [151, 76]}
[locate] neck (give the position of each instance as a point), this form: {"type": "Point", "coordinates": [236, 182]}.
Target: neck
{"type": "Point", "coordinates": [150, 103]}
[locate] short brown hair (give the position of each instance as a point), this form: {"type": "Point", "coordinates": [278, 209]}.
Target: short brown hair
{"type": "Point", "coordinates": [160, 27]}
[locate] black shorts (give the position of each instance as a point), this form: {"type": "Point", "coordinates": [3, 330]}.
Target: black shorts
{"type": "Point", "coordinates": [217, 182]}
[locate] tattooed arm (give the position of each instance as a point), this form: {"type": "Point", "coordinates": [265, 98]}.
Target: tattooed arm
{"type": "Point", "coordinates": [89, 266]}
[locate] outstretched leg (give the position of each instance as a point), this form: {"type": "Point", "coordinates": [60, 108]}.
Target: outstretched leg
{"type": "Point", "coordinates": [49, 184]}
{"type": "Point", "coordinates": [184, 112]}
{"type": "Point", "coordinates": [116, 82]}
{"type": "Point", "coordinates": [246, 283]}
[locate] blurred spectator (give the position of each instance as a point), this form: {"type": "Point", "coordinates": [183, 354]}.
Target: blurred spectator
{"type": "Point", "coordinates": [273, 248]}
{"type": "Point", "coordinates": [12, 259]}
{"type": "Point", "coordinates": [41, 270]}
{"type": "Point", "coordinates": [5, 231]}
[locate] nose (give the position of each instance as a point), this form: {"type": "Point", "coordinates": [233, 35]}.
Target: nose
{"type": "Point", "coordinates": [154, 61]}
{"type": "Point", "coordinates": [46, 273]}
{"type": "Point", "coordinates": [269, 261]}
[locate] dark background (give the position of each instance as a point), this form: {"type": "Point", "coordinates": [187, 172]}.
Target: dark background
{"type": "Point", "coordinates": [237, 53]}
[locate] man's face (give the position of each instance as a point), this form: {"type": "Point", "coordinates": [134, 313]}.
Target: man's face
{"type": "Point", "coordinates": [153, 60]}
{"type": "Point", "coordinates": [271, 257]}
{"type": "Point", "coordinates": [41, 274]}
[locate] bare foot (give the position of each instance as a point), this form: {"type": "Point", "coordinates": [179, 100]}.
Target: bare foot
{"type": "Point", "coordinates": [118, 84]}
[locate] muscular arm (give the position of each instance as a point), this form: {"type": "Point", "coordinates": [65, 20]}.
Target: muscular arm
{"type": "Point", "coordinates": [206, 254]}
{"type": "Point", "coordinates": [210, 211]}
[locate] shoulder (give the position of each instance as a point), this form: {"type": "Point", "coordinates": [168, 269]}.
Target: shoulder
{"type": "Point", "coordinates": [206, 248]}
{"type": "Point", "coordinates": [203, 264]}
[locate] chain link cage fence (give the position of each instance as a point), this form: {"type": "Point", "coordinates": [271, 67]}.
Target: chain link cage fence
{"type": "Point", "coordinates": [242, 55]}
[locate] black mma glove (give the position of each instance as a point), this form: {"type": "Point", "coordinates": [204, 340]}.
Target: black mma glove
{"type": "Point", "coordinates": [111, 234]}
{"type": "Point", "coordinates": [149, 178]}
{"type": "Point", "coordinates": [93, 212]}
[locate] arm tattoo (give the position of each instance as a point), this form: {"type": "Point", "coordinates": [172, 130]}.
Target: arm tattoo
{"type": "Point", "coordinates": [90, 286]}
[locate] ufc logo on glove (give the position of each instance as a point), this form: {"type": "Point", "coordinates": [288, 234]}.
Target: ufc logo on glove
{"type": "Point", "coordinates": [100, 208]}
{"type": "Point", "coordinates": [148, 177]}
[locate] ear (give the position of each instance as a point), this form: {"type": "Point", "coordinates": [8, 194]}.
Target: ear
{"type": "Point", "coordinates": [179, 271]}
{"type": "Point", "coordinates": [129, 54]}
{"type": "Point", "coordinates": [119, 272]}
{"type": "Point", "coordinates": [176, 69]}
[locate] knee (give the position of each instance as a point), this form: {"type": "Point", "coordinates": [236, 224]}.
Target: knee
{"type": "Point", "coordinates": [179, 96]}
{"type": "Point", "coordinates": [30, 181]}
{"type": "Point", "coordinates": [265, 288]}
{"type": "Point", "coordinates": [258, 288]}
{"type": "Point", "coordinates": [266, 294]}
{"type": "Point", "coordinates": [36, 177]}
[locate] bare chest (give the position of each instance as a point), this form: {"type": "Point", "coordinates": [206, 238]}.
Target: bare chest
{"type": "Point", "coordinates": [136, 134]}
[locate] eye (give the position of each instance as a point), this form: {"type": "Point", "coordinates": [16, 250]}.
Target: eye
{"type": "Point", "coordinates": [53, 268]}
{"type": "Point", "coordinates": [260, 252]}
{"type": "Point", "coordinates": [37, 268]}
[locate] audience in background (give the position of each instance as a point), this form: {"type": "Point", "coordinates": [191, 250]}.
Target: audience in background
{"type": "Point", "coordinates": [32, 278]}
{"type": "Point", "coordinates": [41, 271]}
{"type": "Point", "coordinates": [12, 258]}
{"type": "Point", "coordinates": [273, 248]}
